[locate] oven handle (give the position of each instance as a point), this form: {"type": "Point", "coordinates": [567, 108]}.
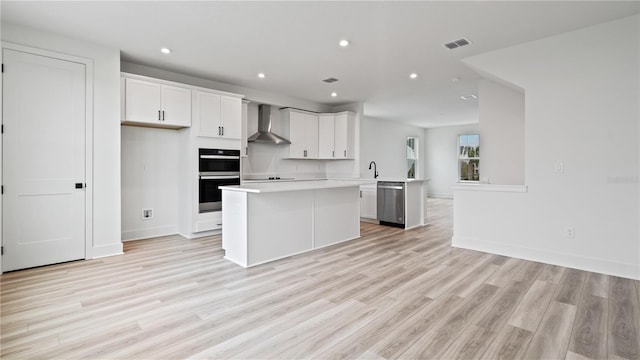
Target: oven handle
{"type": "Point", "coordinates": [226, 157]}
{"type": "Point", "coordinates": [214, 177]}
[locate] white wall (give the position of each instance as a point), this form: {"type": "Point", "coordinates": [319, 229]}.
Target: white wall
{"type": "Point", "coordinates": [385, 142]}
{"type": "Point", "coordinates": [582, 90]}
{"type": "Point", "coordinates": [441, 157]}
{"type": "Point", "coordinates": [150, 165]}
{"type": "Point", "coordinates": [106, 128]}
{"type": "Point", "coordinates": [501, 115]}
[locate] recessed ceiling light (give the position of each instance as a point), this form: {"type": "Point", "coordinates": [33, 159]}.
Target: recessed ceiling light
{"type": "Point", "coordinates": [344, 43]}
{"type": "Point", "coordinates": [469, 97]}
{"type": "Point", "coordinates": [334, 94]}
{"type": "Point", "coordinates": [413, 75]}
{"type": "Point", "coordinates": [261, 75]}
{"type": "Point", "coordinates": [165, 50]}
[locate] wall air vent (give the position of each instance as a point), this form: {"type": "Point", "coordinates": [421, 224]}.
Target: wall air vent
{"type": "Point", "coordinates": [456, 44]}
{"type": "Point", "coordinates": [330, 80]}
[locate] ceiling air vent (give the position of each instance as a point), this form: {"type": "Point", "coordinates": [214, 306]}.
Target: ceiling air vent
{"type": "Point", "coordinates": [330, 80]}
{"type": "Point", "coordinates": [456, 44]}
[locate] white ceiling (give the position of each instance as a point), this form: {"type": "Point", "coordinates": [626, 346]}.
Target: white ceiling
{"type": "Point", "coordinates": [296, 44]}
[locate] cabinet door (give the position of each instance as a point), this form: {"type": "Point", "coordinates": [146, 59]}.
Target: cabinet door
{"type": "Point", "coordinates": [244, 146]}
{"type": "Point", "coordinates": [142, 101]}
{"type": "Point", "coordinates": [341, 135]}
{"type": "Point", "coordinates": [368, 203]}
{"type": "Point", "coordinates": [176, 106]}
{"type": "Point", "coordinates": [297, 134]}
{"type": "Point", "coordinates": [326, 137]}
{"type": "Point", "coordinates": [311, 131]}
{"type": "Point", "coordinates": [303, 134]}
{"type": "Point", "coordinates": [208, 114]}
{"type": "Point", "coordinates": [231, 118]}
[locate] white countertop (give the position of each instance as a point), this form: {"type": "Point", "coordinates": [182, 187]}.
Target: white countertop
{"type": "Point", "coordinates": [279, 186]}
{"type": "Point", "coordinates": [374, 181]}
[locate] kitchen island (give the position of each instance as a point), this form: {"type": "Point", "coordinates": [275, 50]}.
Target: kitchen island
{"type": "Point", "coordinates": [262, 222]}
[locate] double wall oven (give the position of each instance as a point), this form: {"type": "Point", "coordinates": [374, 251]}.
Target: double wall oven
{"type": "Point", "coordinates": [218, 167]}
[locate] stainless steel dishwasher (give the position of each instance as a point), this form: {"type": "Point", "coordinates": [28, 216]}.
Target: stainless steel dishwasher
{"type": "Point", "coordinates": [391, 203]}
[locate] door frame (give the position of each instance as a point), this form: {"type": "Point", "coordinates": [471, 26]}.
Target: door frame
{"type": "Point", "coordinates": [88, 145]}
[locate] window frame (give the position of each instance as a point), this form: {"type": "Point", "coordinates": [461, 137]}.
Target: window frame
{"type": "Point", "coordinates": [459, 159]}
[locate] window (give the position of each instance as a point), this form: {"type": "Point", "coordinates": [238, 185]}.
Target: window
{"type": "Point", "coordinates": [412, 157]}
{"type": "Point", "coordinates": [468, 157]}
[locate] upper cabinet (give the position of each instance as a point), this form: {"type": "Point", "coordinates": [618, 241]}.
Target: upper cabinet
{"type": "Point", "coordinates": [217, 116]}
{"type": "Point", "coordinates": [244, 144]}
{"type": "Point", "coordinates": [155, 104]}
{"type": "Point", "coordinates": [336, 135]}
{"type": "Point", "coordinates": [303, 133]}
{"type": "Point", "coordinates": [326, 130]}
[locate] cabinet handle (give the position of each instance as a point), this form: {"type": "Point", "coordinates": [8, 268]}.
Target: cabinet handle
{"type": "Point", "coordinates": [219, 131]}
{"type": "Point", "coordinates": [223, 131]}
{"type": "Point", "coordinates": [162, 115]}
{"type": "Point", "coordinates": [305, 153]}
{"type": "Point", "coordinates": [360, 193]}
{"type": "Point", "coordinates": [345, 153]}
{"type": "Point", "coordinates": [159, 115]}
{"type": "Point", "coordinates": [333, 153]}
{"type": "Point", "coordinates": [246, 150]}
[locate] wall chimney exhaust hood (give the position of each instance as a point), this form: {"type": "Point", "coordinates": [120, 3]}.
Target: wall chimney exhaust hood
{"type": "Point", "coordinates": [264, 134]}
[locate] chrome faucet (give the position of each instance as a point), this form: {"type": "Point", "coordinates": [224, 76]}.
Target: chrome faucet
{"type": "Point", "coordinates": [375, 171]}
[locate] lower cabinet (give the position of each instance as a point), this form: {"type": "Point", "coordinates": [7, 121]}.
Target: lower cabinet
{"type": "Point", "coordinates": [208, 221]}
{"type": "Point", "coordinates": [369, 202]}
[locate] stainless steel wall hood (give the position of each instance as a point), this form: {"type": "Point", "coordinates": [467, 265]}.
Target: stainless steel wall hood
{"type": "Point", "coordinates": [264, 134]}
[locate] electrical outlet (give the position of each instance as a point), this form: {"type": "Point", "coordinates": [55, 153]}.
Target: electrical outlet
{"type": "Point", "coordinates": [570, 232]}
{"type": "Point", "coordinates": [147, 214]}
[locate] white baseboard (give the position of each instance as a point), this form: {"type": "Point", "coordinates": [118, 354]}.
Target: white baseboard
{"type": "Point", "coordinates": [148, 233]}
{"type": "Point", "coordinates": [107, 250]}
{"type": "Point", "coordinates": [201, 234]}
{"type": "Point", "coordinates": [630, 271]}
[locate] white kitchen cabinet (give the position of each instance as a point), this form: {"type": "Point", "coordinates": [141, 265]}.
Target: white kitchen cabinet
{"type": "Point", "coordinates": [231, 117]}
{"type": "Point", "coordinates": [369, 202]}
{"type": "Point", "coordinates": [344, 139]}
{"type": "Point", "coordinates": [154, 104]}
{"type": "Point", "coordinates": [336, 135]}
{"type": "Point", "coordinates": [302, 132]}
{"type": "Point", "coordinates": [217, 116]}
{"type": "Point", "coordinates": [244, 145]}
{"type": "Point", "coordinates": [326, 136]}
{"type": "Point", "coordinates": [208, 221]}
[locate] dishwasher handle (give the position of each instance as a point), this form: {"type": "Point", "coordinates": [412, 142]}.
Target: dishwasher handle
{"type": "Point", "coordinates": [390, 187]}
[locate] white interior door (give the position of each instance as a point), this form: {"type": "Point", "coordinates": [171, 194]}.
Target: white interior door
{"type": "Point", "coordinates": [43, 160]}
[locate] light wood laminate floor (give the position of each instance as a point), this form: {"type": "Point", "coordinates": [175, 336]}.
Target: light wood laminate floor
{"type": "Point", "coordinates": [391, 294]}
